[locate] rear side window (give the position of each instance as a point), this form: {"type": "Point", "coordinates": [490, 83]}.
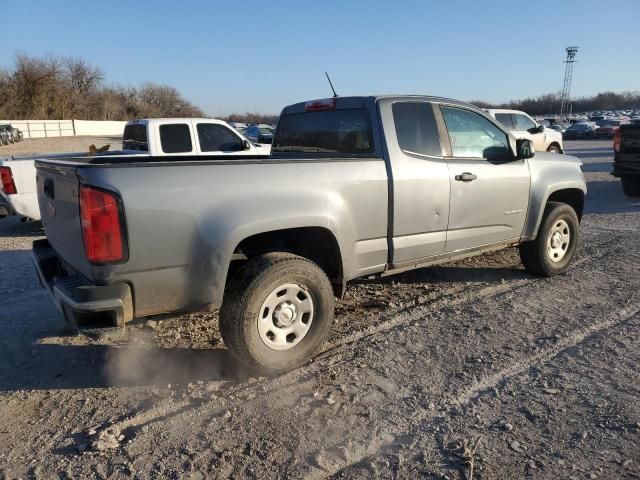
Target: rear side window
{"type": "Point", "coordinates": [175, 138]}
{"type": "Point", "coordinates": [135, 137]}
{"type": "Point", "coordinates": [506, 120]}
{"type": "Point", "coordinates": [218, 138]}
{"type": "Point", "coordinates": [416, 128]}
{"type": "Point", "coordinates": [345, 131]}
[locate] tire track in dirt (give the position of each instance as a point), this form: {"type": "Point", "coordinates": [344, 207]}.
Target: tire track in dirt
{"type": "Point", "coordinates": [303, 378]}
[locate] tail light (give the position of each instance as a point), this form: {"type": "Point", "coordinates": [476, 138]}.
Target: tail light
{"type": "Point", "coordinates": [617, 140]}
{"type": "Point", "coordinates": [8, 185]}
{"type": "Point", "coordinates": [102, 226]}
{"type": "Point", "coordinates": [320, 105]}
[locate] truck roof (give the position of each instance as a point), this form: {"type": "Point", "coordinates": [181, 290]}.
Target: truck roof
{"type": "Point", "coordinates": [176, 119]}
{"type": "Point", "coordinates": [360, 101]}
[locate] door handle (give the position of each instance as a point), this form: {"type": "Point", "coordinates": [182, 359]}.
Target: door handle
{"type": "Point", "coordinates": [466, 177]}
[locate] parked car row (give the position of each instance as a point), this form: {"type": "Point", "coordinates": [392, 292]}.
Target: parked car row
{"type": "Point", "coordinates": [9, 134]}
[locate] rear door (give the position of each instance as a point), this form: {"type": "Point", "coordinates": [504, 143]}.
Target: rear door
{"type": "Point", "coordinates": [419, 179]}
{"type": "Point", "coordinates": [489, 190]}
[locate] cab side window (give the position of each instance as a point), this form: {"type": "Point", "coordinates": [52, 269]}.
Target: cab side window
{"type": "Point", "coordinates": [473, 136]}
{"type": "Point", "coordinates": [523, 123]}
{"type": "Point", "coordinates": [416, 128]}
{"type": "Point", "coordinates": [217, 138]}
{"type": "Point", "coordinates": [506, 120]}
{"type": "Point", "coordinates": [175, 138]}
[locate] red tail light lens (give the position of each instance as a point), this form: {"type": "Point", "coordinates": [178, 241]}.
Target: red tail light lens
{"type": "Point", "coordinates": [8, 184]}
{"type": "Point", "coordinates": [617, 140]}
{"type": "Point", "coordinates": [102, 229]}
{"type": "Point", "coordinates": [320, 105]}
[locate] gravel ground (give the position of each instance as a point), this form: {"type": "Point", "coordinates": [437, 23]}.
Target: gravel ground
{"type": "Point", "coordinates": [473, 369]}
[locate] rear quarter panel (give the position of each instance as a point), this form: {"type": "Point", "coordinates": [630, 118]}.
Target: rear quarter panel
{"type": "Point", "coordinates": [184, 221]}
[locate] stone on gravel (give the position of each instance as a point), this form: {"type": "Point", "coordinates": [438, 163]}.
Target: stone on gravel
{"type": "Point", "coordinates": [516, 446]}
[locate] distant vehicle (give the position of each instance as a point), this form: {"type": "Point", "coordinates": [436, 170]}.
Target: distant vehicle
{"type": "Point", "coordinates": [259, 133]}
{"type": "Point", "coordinates": [157, 137]}
{"type": "Point", "coordinates": [523, 126]}
{"type": "Point", "coordinates": [13, 134]}
{"type": "Point", "coordinates": [580, 130]}
{"type": "Point", "coordinates": [5, 137]}
{"type": "Point", "coordinates": [557, 127]}
{"type": "Point", "coordinates": [239, 126]}
{"type": "Point", "coordinates": [626, 162]}
{"type": "Point", "coordinates": [606, 128]}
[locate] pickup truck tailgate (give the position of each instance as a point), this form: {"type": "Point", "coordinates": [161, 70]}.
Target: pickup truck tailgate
{"type": "Point", "coordinates": [57, 188]}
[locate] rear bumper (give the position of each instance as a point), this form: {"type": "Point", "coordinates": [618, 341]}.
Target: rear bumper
{"type": "Point", "coordinates": [86, 307]}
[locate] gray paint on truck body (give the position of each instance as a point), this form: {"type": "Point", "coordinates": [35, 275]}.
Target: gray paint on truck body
{"type": "Point", "coordinates": [185, 217]}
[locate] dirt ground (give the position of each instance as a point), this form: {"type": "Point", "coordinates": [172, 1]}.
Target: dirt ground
{"type": "Point", "coordinates": [474, 369]}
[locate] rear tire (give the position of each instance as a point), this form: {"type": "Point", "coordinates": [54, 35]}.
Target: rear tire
{"type": "Point", "coordinates": [631, 186]}
{"type": "Point", "coordinates": [556, 243]}
{"type": "Point", "coordinates": [277, 312]}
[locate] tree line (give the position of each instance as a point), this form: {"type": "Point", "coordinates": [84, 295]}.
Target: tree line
{"type": "Point", "coordinates": [68, 87]}
{"type": "Point", "coordinates": [550, 103]}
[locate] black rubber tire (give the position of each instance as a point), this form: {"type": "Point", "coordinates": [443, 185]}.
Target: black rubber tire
{"type": "Point", "coordinates": [534, 254]}
{"type": "Point", "coordinates": [553, 149]}
{"type": "Point", "coordinates": [631, 186]}
{"type": "Point", "coordinates": [244, 296]}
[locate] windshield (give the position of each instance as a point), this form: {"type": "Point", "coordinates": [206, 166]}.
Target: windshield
{"type": "Point", "coordinates": [332, 131]}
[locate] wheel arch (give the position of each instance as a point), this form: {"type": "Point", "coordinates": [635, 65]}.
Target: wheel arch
{"type": "Point", "coordinates": [318, 244]}
{"type": "Point", "coordinates": [571, 195]}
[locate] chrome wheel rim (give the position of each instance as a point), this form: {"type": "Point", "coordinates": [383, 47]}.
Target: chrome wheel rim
{"type": "Point", "coordinates": [558, 241]}
{"type": "Point", "coordinates": [285, 316]}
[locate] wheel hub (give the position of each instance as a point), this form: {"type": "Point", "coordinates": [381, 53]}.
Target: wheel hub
{"type": "Point", "coordinates": [558, 241]}
{"type": "Point", "coordinates": [285, 316]}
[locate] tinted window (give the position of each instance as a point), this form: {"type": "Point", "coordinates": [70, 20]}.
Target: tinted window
{"type": "Point", "coordinates": [332, 131]}
{"type": "Point", "coordinates": [214, 138]}
{"type": "Point", "coordinates": [175, 138]}
{"type": "Point", "coordinates": [474, 136]}
{"type": "Point", "coordinates": [506, 120]}
{"type": "Point", "coordinates": [135, 137]}
{"type": "Point", "coordinates": [523, 123]}
{"type": "Point", "coordinates": [416, 128]}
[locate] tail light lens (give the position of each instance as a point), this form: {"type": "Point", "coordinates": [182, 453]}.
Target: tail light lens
{"type": "Point", "coordinates": [8, 184]}
{"type": "Point", "coordinates": [102, 226]}
{"type": "Point", "coordinates": [320, 105]}
{"type": "Point", "coordinates": [617, 140]}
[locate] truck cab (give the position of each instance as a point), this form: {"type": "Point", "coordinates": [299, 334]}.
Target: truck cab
{"type": "Point", "coordinates": [522, 125]}
{"type": "Point", "coordinates": [186, 136]}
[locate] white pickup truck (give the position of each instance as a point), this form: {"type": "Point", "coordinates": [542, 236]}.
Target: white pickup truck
{"type": "Point", "coordinates": [157, 137]}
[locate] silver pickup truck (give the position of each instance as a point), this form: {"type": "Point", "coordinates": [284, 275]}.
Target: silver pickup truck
{"type": "Point", "coordinates": [355, 187]}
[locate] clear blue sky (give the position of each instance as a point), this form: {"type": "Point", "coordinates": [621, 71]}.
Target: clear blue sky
{"type": "Point", "coordinates": [237, 56]}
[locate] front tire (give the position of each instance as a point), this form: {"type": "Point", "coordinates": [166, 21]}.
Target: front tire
{"type": "Point", "coordinates": [277, 312]}
{"type": "Point", "coordinates": [556, 243]}
{"type": "Point", "coordinates": [553, 149]}
{"type": "Point", "coordinates": [631, 186]}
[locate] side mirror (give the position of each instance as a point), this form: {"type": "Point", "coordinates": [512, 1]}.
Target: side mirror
{"type": "Point", "coordinates": [540, 128]}
{"type": "Point", "coordinates": [246, 145]}
{"type": "Point", "coordinates": [524, 149]}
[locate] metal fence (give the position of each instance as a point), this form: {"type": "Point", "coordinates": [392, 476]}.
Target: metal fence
{"type": "Point", "coordinates": [66, 128]}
